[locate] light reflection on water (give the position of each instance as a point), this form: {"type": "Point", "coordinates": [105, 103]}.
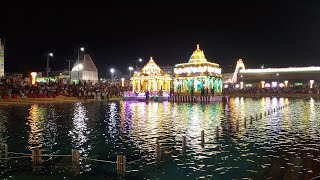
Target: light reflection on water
{"type": "Point", "coordinates": [280, 146]}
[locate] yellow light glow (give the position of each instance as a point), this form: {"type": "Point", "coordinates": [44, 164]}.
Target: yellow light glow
{"type": "Point", "coordinates": [272, 70]}
{"type": "Point", "coordinates": [286, 83]}
{"type": "Point", "coordinates": [150, 78]}
{"type": "Point", "coordinates": [33, 76]}
{"type": "Point", "coordinates": [122, 82]}
{"type": "Point", "coordinates": [262, 84]}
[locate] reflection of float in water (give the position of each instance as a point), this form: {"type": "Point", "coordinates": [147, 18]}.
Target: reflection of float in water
{"type": "Point", "coordinates": [141, 96]}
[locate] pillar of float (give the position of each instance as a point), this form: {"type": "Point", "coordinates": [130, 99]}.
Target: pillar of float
{"type": "Point", "coordinates": [139, 86]}
{"type": "Point", "coordinates": [168, 87]}
{"type": "Point", "coordinates": [154, 85]}
{"type": "Point", "coordinates": [133, 85]}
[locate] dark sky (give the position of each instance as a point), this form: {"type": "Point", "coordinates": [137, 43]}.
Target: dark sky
{"type": "Point", "coordinates": [273, 33]}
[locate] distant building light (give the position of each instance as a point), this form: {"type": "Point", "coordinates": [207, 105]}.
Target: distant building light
{"type": "Point", "coordinates": [274, 84]}
{"type": "Point", "coordinates": [277, 70]}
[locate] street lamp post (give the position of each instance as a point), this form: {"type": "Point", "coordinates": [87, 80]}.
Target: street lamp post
{"type": "Point", "coordinates": [139, 60]}
{"type": "Point", "coordinates": [130, 69]}
{"type": "Point", "coordinates": [48, 69]}
{"type": "Point", "coordinates": [81, 49]}
{"type": "Point", "coordinates": [69, 69]}
{"type": "Point", "coordinates": [112, 71]}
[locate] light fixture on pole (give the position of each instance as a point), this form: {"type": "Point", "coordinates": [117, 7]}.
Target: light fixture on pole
{"type": "Point", "coordinates": [69, 69]}
{"type": "Point", "coordinates": [130, 69]}
{"type": "Point", "coordinates": [82, 50]}
{"type": "Point", "coordinates": [48, 56]}
{"type": "Point", "coordinates": [112, 71]}
{"type": "Point", "coordinates": [139, 60]}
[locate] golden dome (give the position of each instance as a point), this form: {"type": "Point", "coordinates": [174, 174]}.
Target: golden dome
{"type": "Point", "coordinates": [151, 68]}
{"type": "Point", "coordinates": [197, 56]}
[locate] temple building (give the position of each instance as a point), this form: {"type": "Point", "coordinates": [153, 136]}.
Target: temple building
{"type": "Point", "coordinates": [150, 78]}
{"type": "Point", "coordinates": [198, 73]}
{"type": "Point", "coordinates": [84, 69]}
{"type": "Point", "coordinates": [1, 58]}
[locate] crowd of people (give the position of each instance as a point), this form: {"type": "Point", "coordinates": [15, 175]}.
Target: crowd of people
{"type": "Point", "coordinates": [18, 88]}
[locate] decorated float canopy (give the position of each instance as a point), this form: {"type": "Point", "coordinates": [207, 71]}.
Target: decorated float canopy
{"type": "Point", "coordinates": [198, 73]}
{"type": "Point", "coordinates": [150, 78]}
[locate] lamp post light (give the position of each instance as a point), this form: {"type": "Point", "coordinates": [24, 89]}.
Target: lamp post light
{"type": "Point", "coordinates": [69, 69]}
{"type": "Point", "coordinates": [139, 60]}
{"type": "Point", "coordinates": [278, 78]}
{"type": "Point", "coordinates": [112, 71]}
{"type": "Point", "coordinates": [130, 69]}
{"type": "Point", "coordinates": [80, 50]}
{"type": "Point", "coordinates": [48, 56]}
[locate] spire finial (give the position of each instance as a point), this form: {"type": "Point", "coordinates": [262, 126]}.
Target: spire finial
{"type": "Point", "coordinates": [198, 46]}
{"type": "Point", "coordinates": [151, 58]}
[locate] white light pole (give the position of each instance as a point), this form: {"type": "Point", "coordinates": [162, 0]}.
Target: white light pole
{"type": "Point", "coordinates": [69, 69]}
{"type": "Point", "coordinates": [139, 60]}
{"type": "Point", "coordinates": [48, 69]}
{"type": "Point", "coordinates": [112, 71]}
{"type": "Point", "coordinates": [130, 69]}
{"type": "Point", "coordinates": [82, 50]}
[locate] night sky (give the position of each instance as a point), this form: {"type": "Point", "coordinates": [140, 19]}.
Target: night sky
{"type": "Point", "coordinates": [276, 34]}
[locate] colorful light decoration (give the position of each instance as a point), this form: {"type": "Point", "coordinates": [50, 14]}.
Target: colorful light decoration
{"type": "Point", "coordinates": [274, 84]}
{"type": "Point", "coordinates": [198, 73]}
{"type": "Point", "coordinates": [122, 82]}
{"type": "Point", "coordinates": [262, 84]}
{"type": "Point", "coordinates": [151, 78]}
{"type": "Point", "coordinates": [275, 70]}
{"type": "Point", "coordinates": [281, 85]}
{"type": "Point", "coordinates": [267, 85]}
{"type": "Point", "coordinates": [241, 85]}
{"type": "Point", "coordinates": [311, 83]}
{"type": "Point", "coordinates": [33, 76]}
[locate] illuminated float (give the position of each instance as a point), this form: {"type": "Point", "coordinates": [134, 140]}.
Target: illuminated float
{"type": "Point", "coordinates": [198, 73]}
{"type": "Point", "coordinates": [150, 79]}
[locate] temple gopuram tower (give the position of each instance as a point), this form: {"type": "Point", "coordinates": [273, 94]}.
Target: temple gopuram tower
{"type": "Point", "coordinates": [1, 58]}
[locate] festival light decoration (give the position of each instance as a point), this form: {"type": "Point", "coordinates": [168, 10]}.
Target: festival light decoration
{"type": "Point", "coordinates": [311, 83]}
{"type": "Point", "coordinates": [122, 82]}
{"type": "Point", "coordinates": [241, 85]}
{"type": "Point", "coordinates": [281, 85]}
{"type": "Point", "coordinates": [262, 84]}
{"type": "Point", "coordinates": [151, 78]}
{"type": "Point", "coordinates": [33, 76]}
{"type": "Point", "coordinates": [198, 73]}
{"type": "Point", "coordinates": [275, 70]}
{"type": "Point", "coordinates": [286, 83]}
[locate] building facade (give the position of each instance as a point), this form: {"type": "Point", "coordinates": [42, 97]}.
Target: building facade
{"type": "Point", "coordinates": [150, 78]}
{"type": "Point", "coordinates": [197, 74]}
{"type": "Point", "coordinates": [84, 70]}
{"type": "Point", "coordinates": [273, 77]}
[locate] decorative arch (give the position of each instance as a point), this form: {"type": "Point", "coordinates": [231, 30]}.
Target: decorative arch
{"type": "Point", "coordinates": [240, 65]}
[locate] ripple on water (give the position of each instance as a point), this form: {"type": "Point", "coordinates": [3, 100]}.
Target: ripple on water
{"type": "Point", "coordinates": [281, 145]}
